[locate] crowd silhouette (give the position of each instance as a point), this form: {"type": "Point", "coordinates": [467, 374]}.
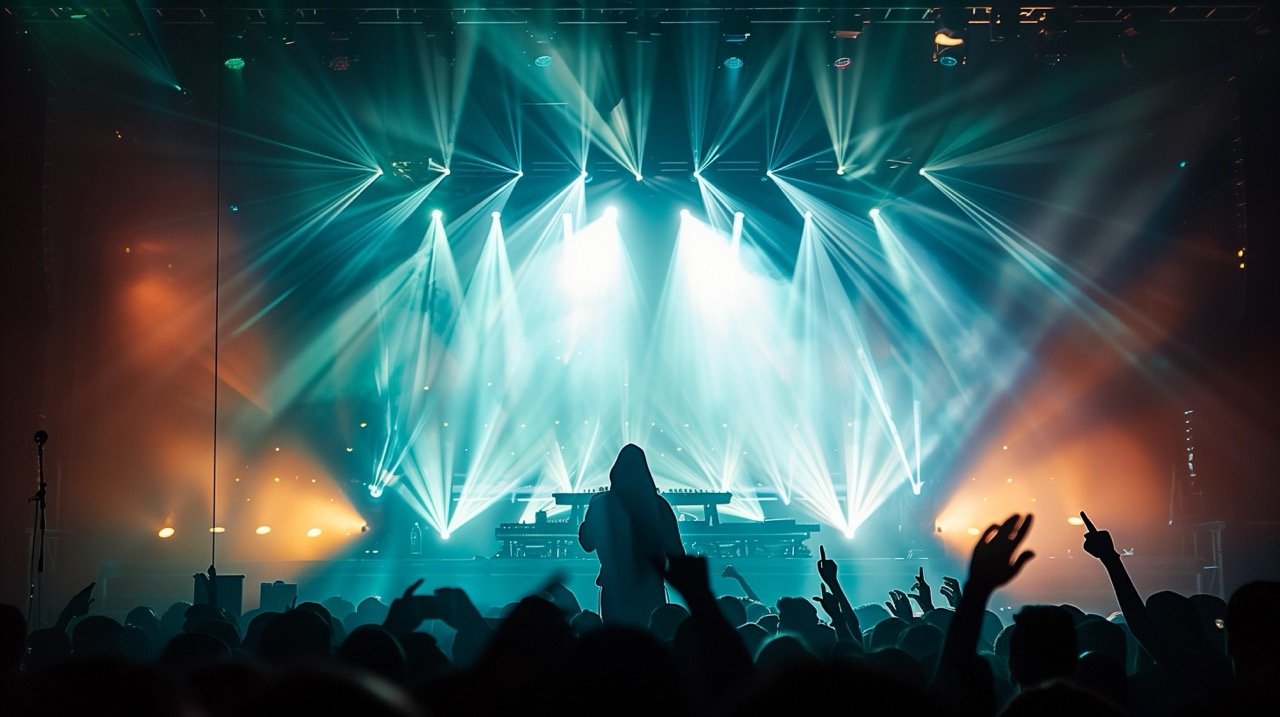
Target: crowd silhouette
{"type": "Point", "coordinates": [642, 654]}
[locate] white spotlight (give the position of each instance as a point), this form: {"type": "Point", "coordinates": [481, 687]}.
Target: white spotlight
{"type": "Point", "coordinates": [697, 174]}
{"type": "Point", "coordinates": [519, 173]}
{"type": "Point", "coordinates": [808, 214]}
{"type": "Point", "coordinates": [611, 212]}
{"type": "Point", "coordinates": [922, 171]}
{"type": "Point", "coordinates": [840, 170]}
{"type": "Point", "coordinates": [445, 171]}
{"type": "Point", "coordinates": [639, 177]}
{"type": "Point", "coordinates": [684, 213]}
{"type": "Point", "coordinates": [874, 213]}
{"type": "Point", "coordinates": [584, 173]}
{"type": "Point", "coordinates": [495, 215]}
{"type": "Point", "coordinates": [738, 215]}
{"type": "Point", "coordinates": [436, 214]}
{"type": "Point", "coordinates": [769, 173]}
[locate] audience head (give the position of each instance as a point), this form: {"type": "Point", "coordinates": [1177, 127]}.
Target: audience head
{"type": "Point", "coordinates": [192, 650]}
{"type": "Point", "coordinates": [871, 614]}
{"type": "Point", "coordinates": [293, 637]}
{"type": "Point", "coordinates": [1253, 626]}
{"type": "Point", "coordinates": [1043, 645]}
{"type": "Point", "coordinates": [1177, 620]}
{"type": "Point", "coordinates": [1107, 638]}
{"type": "Point", "coordinates": [796, 614]}
{"type": "Point", "coordinates": [732, 609]}
{"type": "Point", "coordinates": [664, 620]}
{"type": "Point", "coordinates": [585, 622]}
{"type": "Point", "coordinates": [97, 636]}
{"type": "Point", "coordinates": [372, 648]}
{"type": "Point", "coordinates": [886, 634]}
{"type": "Point", "coordinates": [13, 639]}
{"type": "Point", "coordinates": [1212, 611]}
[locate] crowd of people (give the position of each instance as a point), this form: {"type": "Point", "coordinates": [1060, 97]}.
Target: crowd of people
{"type": "Point", "coordinates": [728, 654]}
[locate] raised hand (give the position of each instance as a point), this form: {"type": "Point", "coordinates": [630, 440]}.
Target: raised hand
{"type": "Point", "coordinates": [77, 606]}
{"type": "Point", "coordinates": [457, 610]}
{"type": "Point", "coordinates": [402, 617]}
{"type": "Point", "coordinates": [993, 563]}
{"type": "Point", "coordinates": [950, 590]}
{"type": "Point", "coordinates": [830, 603]}
{"type": "Point", "coordinates": [688, 575]}
{"type": "Point", "coordinates": [1097, 543]}
{"type": "Point", "coordinates": [827, 569]}
{"type": "Point", "coordinates": [898, 604]}
{"type": "Point", "coordinates": [730, 572]}
{"type": "Point", "coordinates": [922, 594]}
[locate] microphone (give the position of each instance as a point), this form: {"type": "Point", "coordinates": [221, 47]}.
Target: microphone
{"type": "Point", "coordinates": [41, 437]}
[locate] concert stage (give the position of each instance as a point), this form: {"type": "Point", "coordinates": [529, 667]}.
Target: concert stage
{"type": "Point", "coordinates": [494, 581]}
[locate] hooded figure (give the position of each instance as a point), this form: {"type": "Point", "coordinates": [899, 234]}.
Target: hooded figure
{"type": "Point", "coordinates": [633, 531]}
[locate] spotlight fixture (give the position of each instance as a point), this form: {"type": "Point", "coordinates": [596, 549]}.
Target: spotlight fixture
{"type": "Point", "coordinates": [639, 177]}
{"type": "Point", "coordinates": [262, 529]}
{"type": "Point", "coordinates": [611, 212]}
{"type": "Point", "coordinates": [949, 49]}
{"type": "Point", "coordinates": [874, 212]}
{"type": "Point", "coordinates": [540, 38]}
{"type": "Point", "coordinates": [495, 215]}
{"type": "Point", "coordinates": [436, 214]}
{"type": "Point", "coordinates": [165, 532]}
{"type": "Point", "coordinates": [846, 26]}
{"type": "Point", "coordinates": [684, 213]}
{"type": "Point", "coordinates": [735, 33]}
{"type": "Point", "coordinates": [314, 533]}
{"type": "Point", "coordinates": [840, 170]}
{"type": "Point", "coordinates": [233, 42]}
{"type": "Point", "coordinates": [808, 214]}
{"type": "Point", "coordinates": [338, 46]}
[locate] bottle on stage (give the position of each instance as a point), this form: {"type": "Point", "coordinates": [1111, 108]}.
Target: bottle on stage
{"type": "Point", "coordinates": [415, 539]}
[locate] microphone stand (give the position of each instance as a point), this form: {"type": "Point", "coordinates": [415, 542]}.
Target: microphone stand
{"type": "Point", "coordinates": [36, 564]}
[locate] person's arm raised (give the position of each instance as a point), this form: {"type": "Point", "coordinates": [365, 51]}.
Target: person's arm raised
{"type": "Point", "coordinates": [960, 679]}
{"type": "Point", "coordinates": [922, 594]}
{"type": "Point", "coordinates": [733, 574]}
{"type": "Point", "coordinates": [835, 602]}
{"type": "Point", "coordinates": [1099, 544]}
{"type": "Point", "coordinates": [77, 606]}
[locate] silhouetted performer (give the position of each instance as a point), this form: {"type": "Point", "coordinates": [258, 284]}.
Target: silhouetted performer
{"type": "Point", "coordinates": [634, 531]}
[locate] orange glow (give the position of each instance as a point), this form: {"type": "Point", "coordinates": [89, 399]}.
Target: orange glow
{"type": "Point", "coordinates": [165, 532]}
